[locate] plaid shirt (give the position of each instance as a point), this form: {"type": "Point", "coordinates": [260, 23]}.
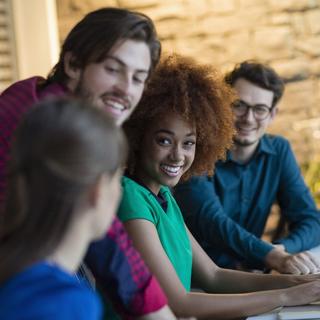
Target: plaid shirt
{"type": "Point", "coordinates": [118, 268]}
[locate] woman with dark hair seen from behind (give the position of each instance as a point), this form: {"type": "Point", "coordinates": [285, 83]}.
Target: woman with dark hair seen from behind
{"type": "Point", "coordinates": [63, 191]}
{"type": "Point", "coordinates": [183, 124]}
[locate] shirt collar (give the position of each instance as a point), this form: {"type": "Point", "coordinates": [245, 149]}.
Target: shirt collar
{"type": "Point", "coordinates": [161, 198]}
{"type": "Point", "coordinates": [266, 145]}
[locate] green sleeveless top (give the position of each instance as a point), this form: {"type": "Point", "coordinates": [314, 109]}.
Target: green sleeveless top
{"type": "Point", "coordinates": [139, 203]}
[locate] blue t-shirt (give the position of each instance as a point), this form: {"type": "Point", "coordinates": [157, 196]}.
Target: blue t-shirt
{"type": "Point", "coordinates": [227, 213]}
{"type": "Point", "coordinates": [44, 291]}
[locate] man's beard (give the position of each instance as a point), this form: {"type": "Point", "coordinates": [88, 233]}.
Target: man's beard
{"type": "Point", "coordinates": [244, 143]}
{"type": "Point", "coordinates": [81, 92]}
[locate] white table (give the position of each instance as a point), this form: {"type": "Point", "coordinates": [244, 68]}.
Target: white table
{"type": "Point", "coordinates": [291, 313]}
{"type": "Point", "coordinates": [266, 316]}
{"type": "Point", "coordinates": [274, 315]}
{"type": "Point", "coordinates": [315, 251]}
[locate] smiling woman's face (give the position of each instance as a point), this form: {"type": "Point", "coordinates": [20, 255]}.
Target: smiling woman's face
{"type": "Point", "coordinates": [167, 152]}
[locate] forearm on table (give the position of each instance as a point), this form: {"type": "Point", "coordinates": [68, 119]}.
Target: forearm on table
{"type": "Point", "coordinates": [225, 306]}
{"type": "Point", "coordinates": [231, 281]}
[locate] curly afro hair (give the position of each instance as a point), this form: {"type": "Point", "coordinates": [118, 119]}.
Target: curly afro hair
{"type": "Point", "coordinates": [200, 96]}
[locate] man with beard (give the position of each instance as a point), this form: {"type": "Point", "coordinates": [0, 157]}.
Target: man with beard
{"type": "Point", "coordinates": [227, 213]}
{"type": "Point", "coordinates": [106, 58]}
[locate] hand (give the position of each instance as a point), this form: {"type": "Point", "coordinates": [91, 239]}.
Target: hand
{"type": "Point", "coordinates": [300, 263]}
{"type": "Point", "coordinates": [301, 294]}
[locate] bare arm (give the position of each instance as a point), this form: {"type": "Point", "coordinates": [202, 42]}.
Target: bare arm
{"type": "Point", "coordinates": [203, 305]}
{"type": "Point", "coordinates": [211, 278]}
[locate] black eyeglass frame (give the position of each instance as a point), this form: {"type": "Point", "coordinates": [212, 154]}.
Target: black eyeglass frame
{"type": "Point", "coordinates": [237, 103]}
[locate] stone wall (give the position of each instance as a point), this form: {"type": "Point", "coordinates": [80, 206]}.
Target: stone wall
{"type": "Point", "coordinates": [283, 33]}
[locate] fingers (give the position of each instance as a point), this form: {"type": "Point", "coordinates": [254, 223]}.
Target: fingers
{"type": "Point", "coordinates": [301, 263]}
{"type": "Point", "coordinates": [293, 265]}
{"type": "Point", "coordinates": [314, 259]}
{"type": "Point", "coordinates": [303, 293]}
{"type": "Point", "coordinates": [308, 262]}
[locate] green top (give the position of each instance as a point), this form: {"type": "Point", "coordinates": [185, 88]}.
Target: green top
{"type": "Point", "coordinates": [139, 203]}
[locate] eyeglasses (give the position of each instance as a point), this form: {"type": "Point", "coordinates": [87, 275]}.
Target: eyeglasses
{"type": "Point", "coordinates": [260, 111]}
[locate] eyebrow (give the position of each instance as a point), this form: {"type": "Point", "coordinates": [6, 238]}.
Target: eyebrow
{"type": "Point", "coordinates": [254, 105]}
{"type": "Point", "coordinates": [123, 64]}
{"type": "Point", "coordinates": [172, 133]}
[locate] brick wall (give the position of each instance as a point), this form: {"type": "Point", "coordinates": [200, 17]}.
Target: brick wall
{"type": "Point", "coordinates": [284, 33]}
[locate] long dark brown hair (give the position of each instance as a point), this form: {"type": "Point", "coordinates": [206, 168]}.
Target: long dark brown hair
{"type": "Point", "coordinates": [92, 38]}
{"type": "Point", "coordinates": [59, 150]}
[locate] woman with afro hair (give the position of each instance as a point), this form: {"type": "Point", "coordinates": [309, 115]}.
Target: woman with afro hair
{"type": "Point", "coordinates": [182, 126]}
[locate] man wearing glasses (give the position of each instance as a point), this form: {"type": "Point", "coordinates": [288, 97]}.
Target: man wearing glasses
{"type": "Point", "coordinates": [227, 213]}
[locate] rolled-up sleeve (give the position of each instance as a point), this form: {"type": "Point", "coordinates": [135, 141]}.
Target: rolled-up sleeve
{"type": "Point", "coordinates": [298, 206]}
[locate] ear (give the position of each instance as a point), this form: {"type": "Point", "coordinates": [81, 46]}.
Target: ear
{"type": "Point", "coordinates": [274, 111]}
{"type": "Point", "coordinates": [70, 68]}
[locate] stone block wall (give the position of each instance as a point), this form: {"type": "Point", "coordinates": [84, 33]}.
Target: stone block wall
{"type": "Point", "coordinates": [283, 33]}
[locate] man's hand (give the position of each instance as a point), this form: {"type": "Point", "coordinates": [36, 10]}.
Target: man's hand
{"type": "Point", "coordinates": [301, 263]}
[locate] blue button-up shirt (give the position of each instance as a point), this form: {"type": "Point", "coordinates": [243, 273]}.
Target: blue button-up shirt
{"type": "Point", "coordinates": [227, 213]}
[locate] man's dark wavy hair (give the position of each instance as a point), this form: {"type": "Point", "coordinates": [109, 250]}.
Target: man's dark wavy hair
{"type": "Point", "coordinates": [92, 38]}
{"type": "Point", "coordinates": [259, 74]}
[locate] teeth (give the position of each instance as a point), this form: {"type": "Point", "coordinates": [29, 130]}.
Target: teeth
{"type": "Point", "coordinates": [115, 105]}
{"type": "Point", "coordinates": [171, 169]}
